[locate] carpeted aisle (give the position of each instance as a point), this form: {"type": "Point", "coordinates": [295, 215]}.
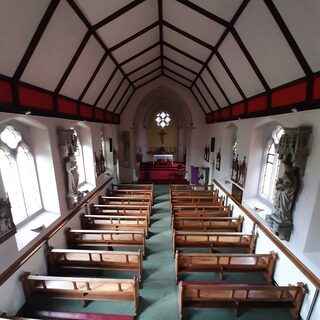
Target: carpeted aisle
{"type": "Point", "coordinates": [159, 298]}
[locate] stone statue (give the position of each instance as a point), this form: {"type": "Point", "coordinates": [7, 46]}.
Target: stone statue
{"type": "Point", "coordinates": [73, 175]}
{"type": "Point", "coordinates": [287, 188]}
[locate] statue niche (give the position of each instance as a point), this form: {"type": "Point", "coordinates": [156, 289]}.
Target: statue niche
{"type": "Point", "coordinates": [293, 152]}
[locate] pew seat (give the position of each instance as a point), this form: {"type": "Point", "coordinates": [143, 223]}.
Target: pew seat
{"type": "Point", "coordinates": [240, 296]}
{"type": "Point", "coordinates": [225, 262]}
{"type": "Point", "coordinates": [60, 259]}
{"type": "Point", "coordinates": [85, 289]}
{"type": "Point", "coordinates": [105, 239]}
{"type": "Point", "coordinates": [185, 223]}
{"type": "Point", "coordinates": [214, 240]}
{"type": "Point", "coordinates": [201, 210]}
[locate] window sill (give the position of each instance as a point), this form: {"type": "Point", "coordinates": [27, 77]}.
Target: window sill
{"type": "Point", "coordinates": [257, 207]}
{"type": "Point", "coordinates": [86, 187]}
{"type": "Point", "coordinates": [29, 231]}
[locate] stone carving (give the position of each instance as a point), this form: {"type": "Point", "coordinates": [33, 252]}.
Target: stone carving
{"type": "Point", "coordinates": [293, 151]}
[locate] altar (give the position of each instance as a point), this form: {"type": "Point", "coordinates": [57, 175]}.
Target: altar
{"type": "Point", "coordinates": [163, 157]}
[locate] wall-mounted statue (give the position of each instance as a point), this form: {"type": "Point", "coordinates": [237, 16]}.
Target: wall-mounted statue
{"type": "Point", "coordinates": [293, 150]}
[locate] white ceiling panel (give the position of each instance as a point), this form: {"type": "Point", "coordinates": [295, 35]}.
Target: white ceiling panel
{"type": "Point", "coordinates": [133, 47]}
{"type": "Point", "coordinates": [129, 23]}
{"type": "Point", "coordinates": [179, 69]}
{"type": "Point", "coordinates": [206, 77]}
{"type": "Point", "coordinates": [304, 24]}
{"type": "Point", "coordinates": [142, 59]}
{"type": "Point", "coordinates": [206, 95]}
{"type": "Point", "coordinates": [224, 9]}
{"type": "Point", "coordinates": [240, 67]}
{"type": "Point", "coordinates": [83, 69]}
{"type": "Point", "coordinates": [117, 78]}
{"type": "Point", "coordinates": [192, 22]}
{"type": "Point", "coordinates": [185, 44]}
{"type": "Point", "coordinates": [118, 96]}
{"type": "Point", "coordinates": [178, 78]}
{"type": "Point", "coordinates": [100, 9]}
{"type": "Point", "coordinates": [125, 99]}
{"type": "Point", "coordinates": [18, 22]}
{"type": "Point", "coordinates": [56, 48]}
{"type": "Point", "coordinates": [99, 81]}
{"type": "Point", "coordinates": [224, 80]}
{"type": "Point", "coordinates": [145, 70]}
{"type": "Point", "coordinates": [180, 58]}
{"type": "Point", "coordinates": [201, 101]}
{"type": "Point", "coordinates": [261, 35]}
{"type": "Point", "coordinates": [147, 78]}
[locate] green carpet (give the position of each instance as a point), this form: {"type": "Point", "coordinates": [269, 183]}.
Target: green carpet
{"type": "Point", "coordinates": [158, 292]}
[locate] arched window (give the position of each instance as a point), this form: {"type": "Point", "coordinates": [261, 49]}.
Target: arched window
{"type": "Point", "coordinates": [271, 167]}
{"type": "Point", "coordinates": [19, 175]}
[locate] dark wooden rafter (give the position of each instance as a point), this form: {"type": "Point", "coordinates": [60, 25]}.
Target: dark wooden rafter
{"type": "Point", "coordinates": [204, 111]}
{"type": "Point", "coordinates": [177, 74]}
{"type": "Point", "coordinates": [210, 93]}
{"type": "Point", "coordinates": [143, 66]}
{"type": "Point", "coordinates": [175, 80]}
{"type": "Point", "coordinates": [114, 93]}
{"type": "Point", "coordinates": [180, 65]}
{"type": "Point", "coordinates": [218, 84]}
{"type": "Point", "coordinates": [149, 80]}
{"type": "Point", "coordinates": [95, 34]}
{"type": "Point", "coordinates": [140, 53]}
{"type": "Point", "coordinates": [147, 74]}
{"type": "Point", "coordinates": [35, 39]}
{"type": "Point", "coordinates": [117, 14]}
{"type": "Point", "coordinates": [122, 97]}
{"type": "Point", "coordinates": [126, 103]}
{"type": "Point", "coordinates": [84, 91]}
{"type": "Point", "coordinates": [73, 61]}
{"type": "Point", "coordinates": [188, 35]}
{"type": "Point", "coordinates": [203, 98]}
{"type": "Point", "coordinates": [250, 59]}
{"type": "Point", "coordinates": [183, 53]}
{"type": "Point", "coordinates": [106, 85]}
{"type": "Point", "coordinates": [223, 36]}
{"type": "Point", "coordinates": [290, 39]}
{"type": "Point", "coordinates": [205, 13]}
{"type": "Point", "coordinates": [134, 36]}
{"type": "Point", "coordinates": [160, 14]}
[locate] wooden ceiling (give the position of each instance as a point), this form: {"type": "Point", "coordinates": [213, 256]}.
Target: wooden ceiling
{"type": "Point", "coordinates": [99, 52]}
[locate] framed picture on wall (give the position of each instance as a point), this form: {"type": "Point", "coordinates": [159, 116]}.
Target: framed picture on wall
{"type": "Point", "coordinates": [218, 160]}
{"type": "Point", "coordinates": [213, 140]}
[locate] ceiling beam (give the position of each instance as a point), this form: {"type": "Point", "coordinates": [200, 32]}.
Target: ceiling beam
{"type": "Point", "coordinates": [144, 65]}
{"type": "Point", "coordinates": [122, 97]}
{"type": "Point", "coordinates": [288, 36]}
{"type": "Point", "coordinates": [160, 14]}
{"type": "Point", "coordinates": [204, 111]}
{"type": "Point", "coordinates": [117, 14]}
{"type": "Point", "coordinates": [126, 103]}
{"type": "Point", "coordinates": [175, 80]}
{"type": "Point", "coordinates": [203, 98]}
{"type": "Point", "coordinates": [188, 35]}
{"type": "Point", "coordinates": [35, 39]}
{"type": "Point", "coordinates": [178, 74]}
{"type": "Point", "coordinates": [114, 93]}
{"type": "Point", "coordinates": [147, 74]}
{"type": "Point", "coordinates": [106, 85]}
{"type": "Point", "coordinates": [180, 65]}
{"type": "Point", "coordinates": [148, 81]}
{"type": "Point", "coordinates": [134, 36]}
{"type": "Point", "coordinates": [139, 53]}
{"type": "Point", "coordinates": [205, 13]}
{"type": "Point", "coordinates": [210, 93]}
{"type": "Point", "coordinates": [84, 91]}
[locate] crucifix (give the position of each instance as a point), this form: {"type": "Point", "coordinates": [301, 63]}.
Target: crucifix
{"type": "Point", "coordinates": [162, 134]}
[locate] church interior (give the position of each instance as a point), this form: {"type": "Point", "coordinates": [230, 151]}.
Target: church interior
{"type": "Point", "coordinates": [159, 159]}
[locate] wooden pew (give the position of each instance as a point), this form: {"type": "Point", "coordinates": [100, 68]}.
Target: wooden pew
{"type": "Point", "coordinates": [226, 262]}
{"type": "Point", "coordinates": [134, 187]}
{"type": "Point", "coordinates": [85, 289]}
{"type": "Point", "coordinates": [183, 223]}
{"type": "Point", "coordinates": [120, 210]}
{"type": "Point", "coordinates": [241, 296]}
{"type": "Point", "coordinates": [105, 238]}
{"type": "Point", "coordinates": [192, 187]}
{"type": "Point", "coordinates": [200, 211]}
{"type": "Point", "coordinates": [125, 200]}
{"type": "Point", "coordinates": [130, 193]}
{"type": "Point", "coordinates": [198, 200]}
{"type": "Point", "coordinates": [100, 221]}
{"type": "Point", "coordinates": [214, 240]}
{"type": "Point", "coordinates": [59, 259]}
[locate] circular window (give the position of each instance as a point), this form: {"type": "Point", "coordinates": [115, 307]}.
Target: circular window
{"type": "Point", "coordinates": [163, 119]}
